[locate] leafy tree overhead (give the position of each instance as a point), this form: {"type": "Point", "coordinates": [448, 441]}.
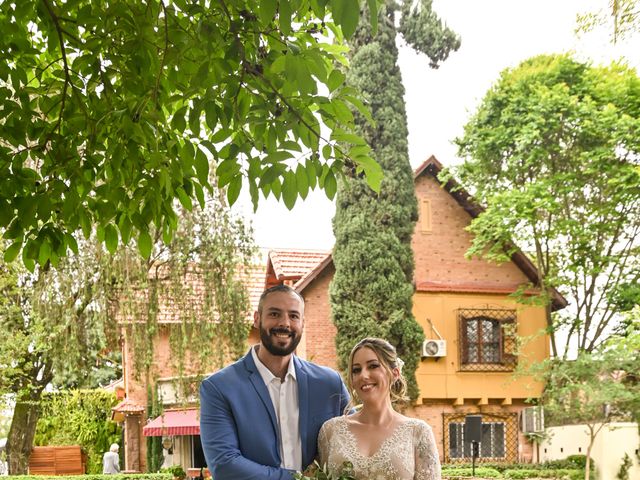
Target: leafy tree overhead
{"type": "Point", "coordinates": [553, 153]}
{"type": "Point", "coordinates": [372, 290]}
{"type": "Point", "coordinates": [110, 111]}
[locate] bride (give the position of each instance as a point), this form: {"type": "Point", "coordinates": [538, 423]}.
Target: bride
{"type": "Point", "coordinates": [377, 441]}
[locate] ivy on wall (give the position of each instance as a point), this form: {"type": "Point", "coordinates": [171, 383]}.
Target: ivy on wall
{"type": "Point", "coordinates": [79, 417]}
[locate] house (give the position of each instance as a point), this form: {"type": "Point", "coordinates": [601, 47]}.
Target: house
{"type": "Point", "coordinates": [179, 425]}
{"type": "Point", "coordinates": [473, 325]}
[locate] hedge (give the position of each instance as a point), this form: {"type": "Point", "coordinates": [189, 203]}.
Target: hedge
{"type": "Point", "coordinates": [521, 474]}
{"type": "Point", "coordinates": [121, 476]}
{"type": "Point", "coordinates": [481, 472]}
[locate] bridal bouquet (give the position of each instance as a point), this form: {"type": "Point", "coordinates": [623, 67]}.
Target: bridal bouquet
{"type": "Point", "coordinates": [316, 472]}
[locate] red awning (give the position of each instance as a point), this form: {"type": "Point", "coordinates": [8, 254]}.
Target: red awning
{"type": "Point", "coordinates": [174, 422]}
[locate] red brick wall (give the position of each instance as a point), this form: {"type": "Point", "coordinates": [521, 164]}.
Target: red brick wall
{"type": "Point", "coordinates": [319, 330]}
{"type": "Point", "coordinates": [440, 253]}
{"type": "Point", "coordinates": [433, 414]}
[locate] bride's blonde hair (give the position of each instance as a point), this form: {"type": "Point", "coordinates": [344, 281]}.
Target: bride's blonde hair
{"type": "Point", "coordinates": [389, 360]}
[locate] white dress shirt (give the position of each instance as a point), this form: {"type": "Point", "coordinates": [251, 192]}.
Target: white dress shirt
{"type": "Point", "coordinates": [284, 396]}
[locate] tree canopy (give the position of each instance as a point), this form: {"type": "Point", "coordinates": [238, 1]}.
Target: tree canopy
{"type": "Point", "coordinates": [553, 154]}
{"type": "Point", "coordinates": [112, 111]}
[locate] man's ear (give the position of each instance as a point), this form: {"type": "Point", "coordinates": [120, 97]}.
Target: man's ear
{"type": "Point", "coordinates": [256, 319]}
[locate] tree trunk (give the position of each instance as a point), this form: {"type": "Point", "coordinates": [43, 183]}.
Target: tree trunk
{"type": "Point", "coordinates": [21, 433]}
{"type": "Point", "coordinates": [25, 417]}
{"type": "Point", "coordinates": [587, 467]}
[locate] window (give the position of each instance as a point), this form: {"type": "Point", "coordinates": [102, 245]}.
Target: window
{"type": "Point", "coordinates": [492, 444]}
{"type": "Point", "coordinates": [482, 340]}
{"type": "Point", "coordinates": [487, 339]}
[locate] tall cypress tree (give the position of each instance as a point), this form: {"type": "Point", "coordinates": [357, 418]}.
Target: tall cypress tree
{"type": "Point", "coordinates": [372, 290]}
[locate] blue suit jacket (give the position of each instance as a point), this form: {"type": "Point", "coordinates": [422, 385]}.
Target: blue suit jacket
{"type": "Point", "coordinates": [238, 426]}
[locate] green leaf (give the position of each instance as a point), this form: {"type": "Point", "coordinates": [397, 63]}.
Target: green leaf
{"type": "Point", "coordinates": [330, 185]}
{"type": "Point", "coordinates": [12, 252]}
{"type": "Point", "coordinates": [285, 17]}
{"type": "Point", "coordinates": [227, 170]}
{"type": "Point", "coordinates": [373, 15]}
{"type": "Point", "coordinates": [45, 252]}
{"type": "Point", "coordinates": [336, 78]}
{"type": "Point", "coordinates": [350, 14]}
{"type": "Point", "coordinates": [144, 244]}
{"type": "Point", "coordinates": [124, 225]}
{"type": "Point", "coordinates": [178, 122]}
{"type": "Point", "coordinates": [201, 163]}
{"type": "Point", "coordinates": [111, 238]}
{"type": "Point", "coordinates": [185, 200]}
{"type": "Point", "coordinates": [302, 181]}
{"type": "Point", "coordinates": [211, 115]}
{"type": "Point", "coordinates": [267, 10]}
{"type": "Point", "coordinates": [289, 189]}
{"type": "Point", "coordinates": [233, 189]}
{"type": "Point", "coordinates": [71, 243]}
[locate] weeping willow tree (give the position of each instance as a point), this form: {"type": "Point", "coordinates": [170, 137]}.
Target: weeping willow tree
{"type": "Point", "coordinates": [371, 293]}
{"type": "Point", "coordinates": [61, 326]}
{"type": "Point", "coordinates": [191, 292]}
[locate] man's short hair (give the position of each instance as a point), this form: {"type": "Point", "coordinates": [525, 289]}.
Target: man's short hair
{"type": "Point", "coordinates": [278, 288]}
{"type": "Point", "coordinates": [114, 447]}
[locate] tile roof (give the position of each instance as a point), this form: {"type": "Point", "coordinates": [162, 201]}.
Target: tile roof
{"type": "Point", "coordinates": [294, 264]}
{"type": "Point", "coordinates": [128, 406]}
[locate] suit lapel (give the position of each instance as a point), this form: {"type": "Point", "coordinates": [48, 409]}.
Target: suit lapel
{"type": "Point", "coordinates": [263, 393]}
{"type": "Point", "coordinates": [303, 401]}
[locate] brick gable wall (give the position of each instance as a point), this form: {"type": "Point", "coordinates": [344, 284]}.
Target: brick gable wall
{"type": "Point", "coordinates": [440, 252]}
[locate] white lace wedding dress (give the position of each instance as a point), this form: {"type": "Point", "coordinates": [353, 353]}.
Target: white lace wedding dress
{"type": "Point", "coordinates": [410, 453]}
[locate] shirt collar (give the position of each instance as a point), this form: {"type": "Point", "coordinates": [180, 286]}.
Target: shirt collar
{"type": "Point", "coordinates": [265, 373]}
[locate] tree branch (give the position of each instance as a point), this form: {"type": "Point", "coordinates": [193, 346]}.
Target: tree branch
{"type": "Point", "coordinates": [164, 52]}
{"type": "Point", "coordinates": [63, 52]}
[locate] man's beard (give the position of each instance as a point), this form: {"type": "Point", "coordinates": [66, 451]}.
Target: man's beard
{"type": "Point", "coordinates": [273, 348]}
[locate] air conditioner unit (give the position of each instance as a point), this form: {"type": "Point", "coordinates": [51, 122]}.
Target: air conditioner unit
{"type": "Point", "coordinates": [434, 348]}
{"type": "Point", "coordinates": [532, 420]}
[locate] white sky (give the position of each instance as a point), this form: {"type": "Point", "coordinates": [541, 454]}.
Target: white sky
{"type": "Point", "coordinates": [496, 34]}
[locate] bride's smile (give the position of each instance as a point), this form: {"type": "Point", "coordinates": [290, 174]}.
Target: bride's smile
{"type": "Point", "coordinates": [369, 377]}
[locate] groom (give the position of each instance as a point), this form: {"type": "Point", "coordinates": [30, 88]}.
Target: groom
{"type": "Point", "coordinates": [260, 417]}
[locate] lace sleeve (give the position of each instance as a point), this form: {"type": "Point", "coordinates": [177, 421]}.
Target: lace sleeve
{"type": "Point", "coordinates": [324, 438]}
{"type": "Point", "coordinates": [427, 460]}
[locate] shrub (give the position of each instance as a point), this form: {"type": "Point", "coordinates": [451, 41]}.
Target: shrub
{"type": "Point", "coordinates": [121, 476]}
{"type": "Point", "coordinates": [458, 472]}
{"type": "Point", "coordinates": [521, 474]}
{"type": "Point", "coordinates": [176, 470]}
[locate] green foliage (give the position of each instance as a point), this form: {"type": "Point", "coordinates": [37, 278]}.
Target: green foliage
{"type": "Point", "coordinates": [62, 322]}
{"type": "Point", "coordinates": [79, 417]}
{"type": "Point", "coordinates": [621, 18]}
{"type": "Point", "coordinates": [572, 462]}
{"type": "Point", "coordinates": [465, 472]}
{"type": "Point", "coordinates": [565, 474]}
{"type": "Point", "coordinates": [595, 388]}
{"type": "Point", "coordinates": [198, 279]}
{"type": "Point", "coordinates": [176, 470]}
{"type": "Point", "coordinates": [154, 443]}
{"type": "Point", "coordinates": [120, 476]}
{"type": "Point", "coordinates": [371, 293]}
{"type": "Point", "coordinates": [625, 466]}
{"type": "Point", "coordinates": [552, 153]}
{"type": "Point", "coordinates": [112, 112]}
